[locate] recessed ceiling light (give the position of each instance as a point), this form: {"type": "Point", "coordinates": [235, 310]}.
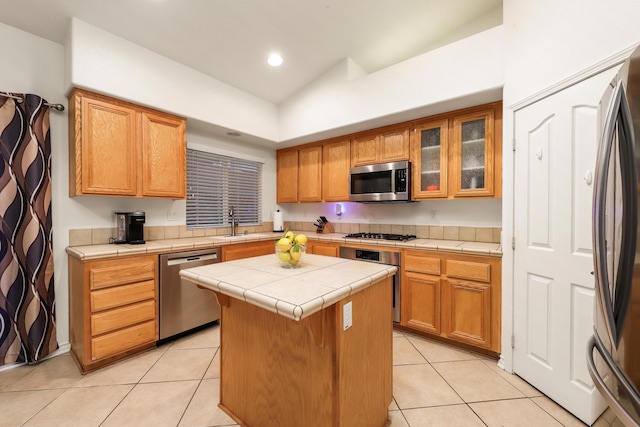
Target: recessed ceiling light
{"type": "Point", "coordinates": [274, 60]}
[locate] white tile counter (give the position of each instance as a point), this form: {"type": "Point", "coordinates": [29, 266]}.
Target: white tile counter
{"type": "Point", "coordinates": [88, 252]}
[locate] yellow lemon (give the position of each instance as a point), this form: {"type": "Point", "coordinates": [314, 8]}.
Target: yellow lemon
{"type": "Point", "coordinates": [301, 239]}
{"type": "Point", "coordinates": [284, 244]}
{"type": "Point", "coordinates": [284, 256]}
{"type": "Point", "coordinates": [296, 253]}
{"type": "Point", "coordinates": [290, 235]}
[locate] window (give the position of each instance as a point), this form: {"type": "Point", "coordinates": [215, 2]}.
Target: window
{"type": "Point", "coordinates": [215, 183]}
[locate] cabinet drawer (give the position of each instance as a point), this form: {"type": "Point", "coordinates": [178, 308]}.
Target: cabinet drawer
{"type": "Point", "coordinates": [122, 295]}
{"type": "Point", "coordinates": [117, 272]}
{"type": "Point", "coordinates": [415, 261]}
{"type": "Point", "coordinates": [111, 320]}
{"type": "Point", "coordinates": [122, 340]}
{"type": "Point", "coordinates": [478, 271]}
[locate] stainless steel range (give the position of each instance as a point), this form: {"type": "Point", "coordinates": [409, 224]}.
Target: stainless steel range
{"type": "Point", "coordinates": [381, 236]}
{"type": "Point", "coordinates": [379, 256]}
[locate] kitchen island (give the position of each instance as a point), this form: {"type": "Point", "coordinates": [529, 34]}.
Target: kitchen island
{"type": "Point", "coordinates": [310, 346]}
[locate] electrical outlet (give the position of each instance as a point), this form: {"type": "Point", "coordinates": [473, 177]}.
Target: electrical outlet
{"type": "Point", "coordinates": [433, 214]}
{"type": "Point", "coordinates": [347, 315]}
{"type": "Point", "coordinates": [171, 215]}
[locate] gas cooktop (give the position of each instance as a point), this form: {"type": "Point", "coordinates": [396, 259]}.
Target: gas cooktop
{"type": "Point", "coordinates": [381, 236]}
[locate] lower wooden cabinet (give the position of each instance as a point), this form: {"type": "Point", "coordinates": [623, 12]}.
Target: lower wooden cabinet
{"type": "Point", "coordinates": [113, 308]}
{"type": "Point", "coordinates": [247, 250]}
{"type": "Point", "coordinates": [323, 248]}
{"type": "Point", "coordinates": [467, 312]}
{"type": "Point", "coordinates": [457, 297]}
{"type": "Point", "coordinates": [422, 308]}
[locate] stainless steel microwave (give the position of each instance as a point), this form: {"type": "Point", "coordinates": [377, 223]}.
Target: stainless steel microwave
{"type": "Point", "coordinates": [382, 182]}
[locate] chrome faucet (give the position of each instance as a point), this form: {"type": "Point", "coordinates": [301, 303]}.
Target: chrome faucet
{"type": "Point", "coordinates": [232, 214]}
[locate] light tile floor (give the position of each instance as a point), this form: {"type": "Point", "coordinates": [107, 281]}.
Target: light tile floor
{"type": "Point", "coordinates": [177, 384]}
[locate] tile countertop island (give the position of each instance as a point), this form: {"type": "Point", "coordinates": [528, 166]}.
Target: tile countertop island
{"type": "Point", "coordinates": [290, 355]}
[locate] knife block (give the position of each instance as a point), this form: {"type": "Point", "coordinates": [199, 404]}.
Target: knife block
{"type": "Point", "coordinates": [325, 227]}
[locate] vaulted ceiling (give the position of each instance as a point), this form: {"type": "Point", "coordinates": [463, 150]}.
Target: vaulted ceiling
{"type": "Point", "coordinates": [230, 40]}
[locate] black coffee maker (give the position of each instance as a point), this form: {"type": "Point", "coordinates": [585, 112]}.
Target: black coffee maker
{"type": "Point", "coordinates": [130, 227]}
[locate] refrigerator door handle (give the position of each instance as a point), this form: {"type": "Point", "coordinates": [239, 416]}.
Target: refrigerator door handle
{"type": "Point", "coordinates": [624, 278]}
{"type": "Point", "coordinates": [599, 214]}
{"type": "Point", "coordinates": [618, 119]}
{"type": "Point", "coordinates": [596, 344]}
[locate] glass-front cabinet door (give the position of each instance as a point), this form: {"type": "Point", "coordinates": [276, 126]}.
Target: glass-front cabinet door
{"type": "Point", "coordinates": [472, 156]}
{"type": "Point", "coordinates": [429, 151]}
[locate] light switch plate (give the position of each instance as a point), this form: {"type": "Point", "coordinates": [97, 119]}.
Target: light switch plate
{"type": "Point", "coordinates": [347, 315]}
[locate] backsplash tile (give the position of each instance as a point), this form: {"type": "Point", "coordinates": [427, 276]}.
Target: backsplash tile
{"type": "Point", "coordinates": [467, 234]}
{"type": "Point", "coordinates": [80, 237]}
{"type": "Point", "coordinates": [484, 235]}
{"type": "Point", "coordinates": [184, 232]}
{"type": "Point", "coordinates": [436, 232]}
{"type": "Point", "coordinates": [497, 232]}
{"type": "Point", "coordinates": [451, 233]}
{"type": "Point", "coordinates": [171, 232]}
{"type": "Point", "coordinates": [409, 230]}
{"type": "Point", "coordinates": [98, 236]}
{"type": "Point", "coordinates": [154, 233]}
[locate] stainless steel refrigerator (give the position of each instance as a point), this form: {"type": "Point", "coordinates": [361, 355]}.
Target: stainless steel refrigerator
{"type": "Point", "coordinates": [614, 351]}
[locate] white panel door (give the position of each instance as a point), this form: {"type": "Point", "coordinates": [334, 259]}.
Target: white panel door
{"type": "Point", "coordinates": [556, 142]}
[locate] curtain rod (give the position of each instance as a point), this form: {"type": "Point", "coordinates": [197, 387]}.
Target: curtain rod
{"type": "Point", "coordinates": [57, 107]}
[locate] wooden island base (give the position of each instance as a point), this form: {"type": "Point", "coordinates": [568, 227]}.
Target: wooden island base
{"type": "Point", "coordinates": [278, 372]}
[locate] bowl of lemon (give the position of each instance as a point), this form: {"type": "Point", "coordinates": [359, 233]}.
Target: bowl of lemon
{"type": "Point", "coordinates": [290, 249]}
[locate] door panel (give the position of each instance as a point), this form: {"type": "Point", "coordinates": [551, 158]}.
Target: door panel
{"type": "Point", "coordinates": [556, 142]}
{"type": "Point", "coordinates": [164, 156]}
{"type": "Point", "coordinates": [539, 204]}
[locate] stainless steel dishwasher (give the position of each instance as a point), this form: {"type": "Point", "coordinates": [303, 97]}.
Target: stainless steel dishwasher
{"type": "Point", "coordinates": [184, 306]}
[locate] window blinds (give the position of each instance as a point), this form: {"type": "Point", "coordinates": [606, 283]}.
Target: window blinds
{"type": "Point", "coordinates": [215, 183]}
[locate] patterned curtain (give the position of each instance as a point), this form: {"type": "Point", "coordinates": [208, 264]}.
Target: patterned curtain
{"type": "Point", "coordinates": [27, 301]}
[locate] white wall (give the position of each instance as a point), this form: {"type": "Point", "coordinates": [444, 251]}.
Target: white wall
{"type": "Point", "coordinates": [103, 62]}
{"type": "Point", "coordinates": [546, 42]}
{"type": "Point", "coordinates": [468, 72]}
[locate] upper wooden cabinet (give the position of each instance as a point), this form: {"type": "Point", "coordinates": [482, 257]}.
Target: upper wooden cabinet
{"type": "Point", "coordinates": [287, 176]}
{"type": "Point", "coordinates": [336, 160]}
{"type": "Point", "coordinates": [430, 159]}
{"type": "Point", "coordinates": [472, 155]}
{"type": "Point", "coordinates": [120, 149]}
{"type": "Point", "coordinates": [387, 144]}
{"type": "Point", "coordinates": [310, 174]}
{"type": "Point", "coordinates": [453, 155]}
{"type": "Point", "coordinates": [163, 155]}
{"type": "Point", "coordinates": [458, 154]}
{"type": "Point", "coordinates": [314, 173]}
{"type": "Point", "coordinates": [299, 174]}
